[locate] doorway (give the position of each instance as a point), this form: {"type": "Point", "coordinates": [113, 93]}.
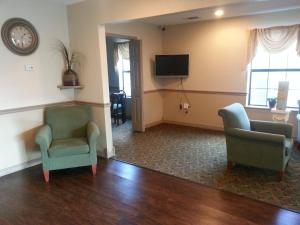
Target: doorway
{"type": "Point", "coordinates": [125, 83]}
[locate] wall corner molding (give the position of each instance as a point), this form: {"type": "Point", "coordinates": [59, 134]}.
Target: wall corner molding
{"type": "Point", "coordinates": [42, 106]}
{"type": "Point", "coordinates": [196, 92]}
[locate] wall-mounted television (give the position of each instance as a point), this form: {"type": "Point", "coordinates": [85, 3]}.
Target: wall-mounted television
{"type": "Point", "coordinates": [172, 66]}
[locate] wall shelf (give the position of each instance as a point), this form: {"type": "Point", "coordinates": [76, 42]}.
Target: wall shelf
{"type": "Point", "coordinates": [69, 87]}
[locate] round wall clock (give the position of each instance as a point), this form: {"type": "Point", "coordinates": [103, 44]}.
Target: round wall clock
{"type": "Point", "coordinates": [19, 36]}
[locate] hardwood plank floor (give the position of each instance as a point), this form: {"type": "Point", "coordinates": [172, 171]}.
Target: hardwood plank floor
{"type": "Point", "coordinates": [125, 194]}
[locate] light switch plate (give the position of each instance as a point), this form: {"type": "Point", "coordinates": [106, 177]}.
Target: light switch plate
{"type": "Point", "coordinates": [29, 67]}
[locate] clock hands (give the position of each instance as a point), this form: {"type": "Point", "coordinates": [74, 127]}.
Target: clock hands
{"type": "Point", "coordinates": [19, 36]}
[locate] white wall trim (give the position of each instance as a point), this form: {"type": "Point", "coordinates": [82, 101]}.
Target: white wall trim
{"type": "Point", "coordinates": [19, 167]}
{"type": "Point", "coordinates": [153, 124]}
{"type": "Point", "coordinates": [107, 154]}
{"type": "Point", "coordinates": [196, 125]}
{"type": "Point", "coordinates": [201, 126]}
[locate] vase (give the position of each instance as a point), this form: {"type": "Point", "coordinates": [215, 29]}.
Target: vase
{"type": "Point", "coordinates": [272, 102]}
{"type": "Point", "coordinates": [70, 78]}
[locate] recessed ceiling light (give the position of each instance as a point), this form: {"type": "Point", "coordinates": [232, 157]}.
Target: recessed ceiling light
{"type": "Point", "coordinates": [219, 13]}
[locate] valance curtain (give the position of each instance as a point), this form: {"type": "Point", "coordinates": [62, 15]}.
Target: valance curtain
{"type": "Point", "coordinates": [123, 49]}
{"type": "Point", "coordinates": [116, 54]}
{"type": "Point", "coordinates": [273, 40]}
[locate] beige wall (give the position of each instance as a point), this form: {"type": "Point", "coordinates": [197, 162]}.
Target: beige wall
{"type": "Point", "coordinates": [204, 110]}
{"type": "Point", "coordinates": [153, 108]}
{"type": "Point", "coordinates": [19, 88]}
{"type": "Point", "coordinates": [17, 138]}
{"type": "Point", "coordinates": [84, 20]}
{"type": "Point", "coordinates": [85, 17]}
{"type": "Point", "coordinates": [228, 75]}
{"type": "Point", "coordinates": [217, 63]}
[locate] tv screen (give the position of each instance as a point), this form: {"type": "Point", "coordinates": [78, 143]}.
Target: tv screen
{"type": "Point", "coordinates": [172, 65]}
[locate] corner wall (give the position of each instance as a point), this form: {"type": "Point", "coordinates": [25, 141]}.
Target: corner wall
{"type": "Point", "coordinates": [23, 94]}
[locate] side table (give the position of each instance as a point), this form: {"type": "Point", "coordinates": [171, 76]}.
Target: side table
{"type": "Point", "coordinates": [280, 115]}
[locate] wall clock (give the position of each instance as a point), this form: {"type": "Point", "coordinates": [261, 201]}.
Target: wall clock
{"type": "Point", "coordinates": [19, 36]}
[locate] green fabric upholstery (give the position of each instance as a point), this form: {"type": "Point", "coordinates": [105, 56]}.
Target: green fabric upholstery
{"type": "Point", "coordinates": [272, 127]}
{"type": "Point", "coordinates": [68, 146]}
{"type": "Point", "coordinates": [236, 117]}
{"type": "Point", "coordinates": [68, 139]}
{"type": "Point", "coordinates": [255, 143]}
{"type": "Point", "coordinates": [68, 122]}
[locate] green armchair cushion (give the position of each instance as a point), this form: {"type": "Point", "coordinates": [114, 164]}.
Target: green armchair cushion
{"type": "Point", "coordinates": [68, 146]}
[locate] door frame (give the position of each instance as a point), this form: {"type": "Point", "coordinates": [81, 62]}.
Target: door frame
{"type": "Point", "coordinates": [108, 34]}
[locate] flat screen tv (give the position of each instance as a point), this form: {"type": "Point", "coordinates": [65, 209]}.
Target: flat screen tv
{"type": "Point", "coordinates": [172, 66]}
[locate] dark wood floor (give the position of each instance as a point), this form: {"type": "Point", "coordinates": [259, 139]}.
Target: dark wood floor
{"type": "Point", "coordinates": [125, 194]}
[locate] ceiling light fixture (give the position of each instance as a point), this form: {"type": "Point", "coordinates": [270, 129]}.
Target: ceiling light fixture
{"type": "Point", "coordinates": [219, 13]}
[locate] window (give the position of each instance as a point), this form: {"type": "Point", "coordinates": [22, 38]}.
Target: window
{"type": "Point", "coordinates": [124, 75]}
{"type": "Point", "coordinates": [267, 70]}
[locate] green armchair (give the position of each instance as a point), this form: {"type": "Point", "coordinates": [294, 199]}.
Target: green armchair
{"type": "Point", "coordinates": [255, 143]}
{"type": "Point", "coordinates": [68, 139]}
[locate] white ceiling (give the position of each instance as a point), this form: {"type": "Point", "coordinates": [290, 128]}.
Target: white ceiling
{"type": "Point", "coordinates": [241, 8]}
{"type": "Point", "coordinates": [67, 2]}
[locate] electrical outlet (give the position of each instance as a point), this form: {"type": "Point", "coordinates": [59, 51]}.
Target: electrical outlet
{"type": "Point", "coordinates": [186, 106]}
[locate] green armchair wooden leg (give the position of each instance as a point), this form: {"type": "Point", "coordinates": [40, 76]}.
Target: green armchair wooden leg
{"type": "Point", "coordinates": [229, 165]}
{"type": "Point", "coordinates": [280, 175]}
{"type": "Point", "coordinates": [94, 169]}
{"type": "Point", "coordinates": [46, 175]}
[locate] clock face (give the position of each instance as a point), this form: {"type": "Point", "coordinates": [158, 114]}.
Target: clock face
{"type": "Point", "coordinates": [19, 36]}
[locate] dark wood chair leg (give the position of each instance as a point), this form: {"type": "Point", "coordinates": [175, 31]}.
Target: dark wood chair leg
{"type": "Point", "coordinates": [94, 169]}
{"type": "Point", "coordinates": [280, 175]}
{"type": "Point", "coordinates": [46, 175]}
{"type": "Point", "coordinates": [229, 165]}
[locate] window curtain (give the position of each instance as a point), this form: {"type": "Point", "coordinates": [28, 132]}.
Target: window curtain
{"type": "Point", "coordinates": [273, 40]}
{"type": "Point", "coordinates": [123, 49]}
{"type": "Point", "coordinates": [116, 54]}
{"type": "Point", "coordinates": [116, 59]}
{"type": "Point", "coordinates": [120, 50]}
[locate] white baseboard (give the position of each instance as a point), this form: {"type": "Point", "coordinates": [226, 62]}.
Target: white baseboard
{"type": "Point", "coordinates": [103, 153]}
{"type": "Point", "coordinates": [152, 124]}
{"type": "Point", "coordinates": [202, 126]}
{"type": "Point", "coordinates": [19, 167]}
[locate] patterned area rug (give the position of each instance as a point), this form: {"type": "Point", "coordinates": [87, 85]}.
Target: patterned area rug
{"type": "Point", "coordinates": [200, 156]}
